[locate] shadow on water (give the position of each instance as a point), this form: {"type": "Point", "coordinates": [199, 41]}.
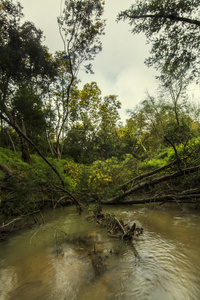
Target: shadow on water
{"type": "Point", "coordinates": [88, 264]}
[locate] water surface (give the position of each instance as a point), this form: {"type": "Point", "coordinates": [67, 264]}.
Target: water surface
{"type": "Point", "coordinates": [45, 263]}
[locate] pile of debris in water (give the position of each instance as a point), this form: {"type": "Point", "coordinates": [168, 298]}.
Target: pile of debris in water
{"type": "Point", "coordinates": [115, 227]}
{"type": "Point", "coordinates": [96, 250]}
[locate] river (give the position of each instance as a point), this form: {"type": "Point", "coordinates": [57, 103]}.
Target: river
{"type": "Point", "coordinates": [86, 264]}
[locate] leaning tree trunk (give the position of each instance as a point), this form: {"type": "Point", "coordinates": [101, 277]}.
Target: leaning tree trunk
{"type": "Point", "coordinates": [25, 151]}
{"type": "Point", "coordinates": [24, 145]}
{"type": "Point", "coordinates": [19, 131]}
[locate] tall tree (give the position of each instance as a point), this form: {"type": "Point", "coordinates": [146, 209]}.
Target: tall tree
{"type": "Point", "coordinates": [24, 62]}
{"type": "Point", "coordinates": [58, 93]}
{"type": "Point", "coordinates": [107, 133]}
{"type": "Point", "coordinates": [164, 120]}
{"type": "Point", "coordinates": [81, 26]}
{"type": "Point", "coordinates": [24, 65]}
{"type": "Point", "coordinates": [172, 27]}
{"type": "Point", "coordinates": [92, 123]}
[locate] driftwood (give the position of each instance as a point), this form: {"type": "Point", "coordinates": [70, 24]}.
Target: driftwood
{"type": "Point", "coordinates": [4, 225]}
{"type": "Point", "coordinates": [150, 182]}
{"type": "Point", "coordinates": [115, 227]}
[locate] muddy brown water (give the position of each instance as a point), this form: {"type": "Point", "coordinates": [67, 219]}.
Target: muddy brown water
{"type": "Point", "coordinates": [44, 263]}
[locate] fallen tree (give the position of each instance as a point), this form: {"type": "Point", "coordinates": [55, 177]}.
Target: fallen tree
{"type": "Point", "coordinates": [145, 189]}
{"type": "Point", "coordinates": [126, 184]}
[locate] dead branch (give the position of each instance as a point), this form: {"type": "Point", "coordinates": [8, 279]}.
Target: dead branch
{"type": "Point", "coordinates": [122, 227]}
{"type": "Point", "coordinates": [18, 218]}
{"type": "Point", "coordinates": [71, 196]}
{"type": "Point", "coordinates": [62, 198]}
{"type": "Point", "coordinates": [148, 174]}
{"type": "Point", "coordinates": [152, 182]}
{"type": "Point", "coordinates": [175, 151]}
{"type": "Point", "coordinates": [164, 199]}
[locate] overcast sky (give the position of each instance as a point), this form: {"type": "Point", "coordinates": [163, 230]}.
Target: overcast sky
{"type": "Point", "coordinates": [119, 68]}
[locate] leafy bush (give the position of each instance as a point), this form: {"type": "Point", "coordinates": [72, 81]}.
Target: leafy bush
{"type": "Point", "coordinates": [30, 186]}
{"type": "Point", "coordinates": [101, 178]}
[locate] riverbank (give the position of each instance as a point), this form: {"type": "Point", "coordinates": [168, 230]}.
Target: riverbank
{"type": "Point", "coordinates": [28, 189]}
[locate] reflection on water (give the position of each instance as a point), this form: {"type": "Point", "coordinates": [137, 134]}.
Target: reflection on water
{"type": "Point", "coordinates": [35, 264]}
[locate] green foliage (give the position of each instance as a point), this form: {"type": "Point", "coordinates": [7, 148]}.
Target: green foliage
{"type": "Point", "coordinates": [81, 27]}
{"type": "Point", "coordinates": [188, 153]}
{"type": "Point", "coordinates": [73, 171]}
{"type": "Point", "coordinates": [11, 159]}
{"type": "Point", "coordinates": [100, 178]}
{"type": "Point", "coordinates": [28, 105]}
{"type": "Point", "coordinates": [162, 121]}
{"type": "Point", "coordinates": [23, 57]}
{"type": "Point", "coordinates": [26, 67]}
{"type": "Point", "coordinates": [151, 165]}
{"type": "Point", "coordinates": [93, 124]}
{"type": "Point", "coordinates": [172, 27]}
{"type": "Point", "coordinates": [30, 187]}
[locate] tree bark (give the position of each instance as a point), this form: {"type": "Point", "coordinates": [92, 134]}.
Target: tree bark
{"type": "Point", "coordinates": [24, 145]}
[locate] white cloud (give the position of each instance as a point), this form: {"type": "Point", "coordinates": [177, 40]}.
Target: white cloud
{"type": "Point", "coordinates": [119, 68]}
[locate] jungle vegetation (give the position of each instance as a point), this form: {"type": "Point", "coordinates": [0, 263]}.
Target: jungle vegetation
{"type": "Point", "coordinates": [62, 145]}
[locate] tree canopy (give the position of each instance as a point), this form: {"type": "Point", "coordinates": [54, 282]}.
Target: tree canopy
{"type": "Point", "coordinates": [81, 26]}
{"type": "Point", "coordinates": [172, 28]}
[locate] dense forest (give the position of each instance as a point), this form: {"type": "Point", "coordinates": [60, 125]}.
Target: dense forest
{"type": "Point", "coordinates": [62, 145]}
